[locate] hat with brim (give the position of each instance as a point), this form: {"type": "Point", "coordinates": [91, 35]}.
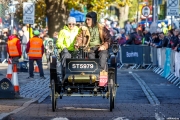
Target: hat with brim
{"type": "Point", "coordinates": [36, 32]}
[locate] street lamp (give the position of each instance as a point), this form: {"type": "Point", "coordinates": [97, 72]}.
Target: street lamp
{"type": "Point", "coordinates": [12, 10]}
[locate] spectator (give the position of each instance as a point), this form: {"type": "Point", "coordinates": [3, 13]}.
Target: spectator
{"type": "Point", "coordinates": [134, 25]}
{"type": "Point", "coordinates": [20, 35]}
{"type": "Point", "coordinates": [55, 37]}
{"type": "Point", "coordinates": [175, 38]}
{"type": "Point", "coordinates": [128, 28]}
{"type": "Point", "coordinates": [6, 22]}
{"type": "Point", "coordinates": [122, 32]}
{"type": "Point", "coordinates": [24, 44]}
{"type": "Point", "coordinates": [26, 32]}
{"type": "Point", "coordinates": [147, 36]}
{"type": "Point", "coordinates": [155, 39]}
{"type": "Point", "coordinates": [3, 42]}
{"type": "Point", "coordinates": [121, 40]}
{"type": "Point", "coordinates": [1, 26]}
{"type": "Point", "coordinates": [169, 37]}
{"type": "Point", "coordinates": [163, 41]}
{"type": "Point", "coordinates": [139, 28]}
{"type": "Point", "coordinates": [19, 28]}
{"type": "Point", "coordinates": [128, 40]}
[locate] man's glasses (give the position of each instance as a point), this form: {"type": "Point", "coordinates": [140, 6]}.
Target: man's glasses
{"type": "Point", "coordinates": [71, 24]}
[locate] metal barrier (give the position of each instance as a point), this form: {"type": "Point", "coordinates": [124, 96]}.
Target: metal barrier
{"type": "Point", "coordinates": [139, 55]}
{"type": "Point", "coordinates": [3, 55]}
{"type": "Point", "coordinates": [165, 61]}
{"type": "Point", "coordinates": [168, 64]}
{"type": "Point", "coordinates": [154, 56]}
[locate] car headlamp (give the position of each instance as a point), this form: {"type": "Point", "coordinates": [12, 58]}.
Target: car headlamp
{"type": "Point", "coordinates": [115, 48]}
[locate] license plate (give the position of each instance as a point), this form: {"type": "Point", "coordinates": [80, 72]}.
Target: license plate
{"type": "Point", "coordinates": [103, 80]}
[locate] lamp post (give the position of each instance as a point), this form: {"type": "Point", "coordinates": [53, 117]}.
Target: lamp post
{"type": "Point", "coordinates": [138, 11]}
{"type": "Point", "coordinates": [12, 10]}
{"type": "Point", "coordinates": [153, 27]}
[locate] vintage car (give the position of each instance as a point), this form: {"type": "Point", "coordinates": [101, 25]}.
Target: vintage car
{"type": "Point", "coordinates": [83, 78]}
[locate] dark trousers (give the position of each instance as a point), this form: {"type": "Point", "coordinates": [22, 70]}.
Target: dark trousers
{"type": "Point", "coordinates": [65, 54]}
{"type": "Point", "coordinates": [31, 67]}
{"type": "Point", "coordinates": [102, 55]}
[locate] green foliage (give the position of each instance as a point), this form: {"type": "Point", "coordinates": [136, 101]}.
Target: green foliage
{"type": "Point", "coordinates": [133, 10]}
{"type": "Point", "coordinates": [162, 15]}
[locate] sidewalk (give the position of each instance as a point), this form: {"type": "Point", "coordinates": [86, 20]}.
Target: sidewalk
{"type": "Point", "coordinates": [31, 90]}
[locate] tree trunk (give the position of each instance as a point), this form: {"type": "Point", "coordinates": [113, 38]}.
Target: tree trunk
{"type": "Point", "coordinates": [57, 14]}
{"type": "Point", "coordinates": [124, 11]}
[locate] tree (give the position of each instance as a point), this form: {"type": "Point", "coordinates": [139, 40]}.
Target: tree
{"type": "Point", "coordinates": [133, 10]}
{"type": "Point", "coordinates": [57, 11]}
{"type": "Point", "coordinates": [123, 6]}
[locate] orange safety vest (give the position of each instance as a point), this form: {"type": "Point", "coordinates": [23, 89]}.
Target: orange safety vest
{"type": "Point", "coordinates": [35, 49]}
{"type": "Point", "coordinates": [12, 48]}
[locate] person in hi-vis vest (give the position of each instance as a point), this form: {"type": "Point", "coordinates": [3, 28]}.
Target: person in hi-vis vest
{"type": "Point", "coordinates": [35, 51]}
{"type": "Point", "coordinates": [14, 47]}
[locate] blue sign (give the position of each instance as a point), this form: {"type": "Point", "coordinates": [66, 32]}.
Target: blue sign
{"type": "Point", "coordinates": [80, 17]}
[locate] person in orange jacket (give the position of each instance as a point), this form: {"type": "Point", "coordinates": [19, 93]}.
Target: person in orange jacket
{"type": "Point", "coordinates": [35, 51]}
{"type": "Point", "coordinates": [14, 47]}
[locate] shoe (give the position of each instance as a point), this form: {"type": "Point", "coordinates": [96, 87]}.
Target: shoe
{"type": "Point", "coordinates": [42, 77]}
{"type": "Point", "coordinates": [29, 77]}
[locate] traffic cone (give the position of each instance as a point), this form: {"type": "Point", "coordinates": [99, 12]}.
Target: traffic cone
{"type": "Point", "coordinates": [36, 69]}
{"type": "Point", "coordinates": [9, 69]}
{"type": "Point", "coordinates": [15, 80]}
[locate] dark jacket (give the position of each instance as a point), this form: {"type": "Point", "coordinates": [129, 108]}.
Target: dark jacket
{"type": "Point", "coordinates": [4, 39]}
{"type": "Point", "coordinates": [132, 38]}
{"type": "Point", "coordinates": [163, 43]}
{"type": "Point", "coordinates": [147, 36]}
{"type": "Point", "coordinates": [174, 41]}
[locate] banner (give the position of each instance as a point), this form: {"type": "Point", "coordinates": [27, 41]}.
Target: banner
{"type": "Point", "coordinates": [154, 56]}
{"type": "Point", "coordinates": [163, 56]}
{"type": "Point", "coordinates": [177, 64]}
{"type": "Point", "coordinates": [159, 57]}
{"type": "Point", "coordinates": [135, 54]}
{"type": "Point", "coordinates": [167, 63]}
{"type": "Point", "coordinates": [172, 61]}
{"type": "Point", "coordinates": [146, 55]}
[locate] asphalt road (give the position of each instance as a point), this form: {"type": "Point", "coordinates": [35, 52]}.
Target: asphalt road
{"type": "Point", "coordinates": [142, 95]}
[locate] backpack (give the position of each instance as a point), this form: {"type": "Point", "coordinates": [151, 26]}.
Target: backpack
{"type": "Point", "coordinates": [137, 39]}
{"type": "Point", "coordinates": [122, 40]}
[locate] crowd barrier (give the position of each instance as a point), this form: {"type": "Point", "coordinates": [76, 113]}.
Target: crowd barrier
{"type": "Point", "coordinates": [165, 61]}
{"type": "Point", "coordinates": [3, 51]}
{"type": "Point", "coordinates": [135, 54]}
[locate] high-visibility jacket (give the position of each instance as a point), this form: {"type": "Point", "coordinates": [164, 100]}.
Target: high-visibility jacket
{"type": "Point", "coordinates": [66, 38]}
{"type": "Point", "coordinates": [35, 49]}
{"type": "Point", "coordinates": [13, 50]}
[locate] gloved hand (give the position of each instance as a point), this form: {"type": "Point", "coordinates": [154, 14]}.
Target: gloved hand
{"type": "Point", "coordinates": [65, 50]}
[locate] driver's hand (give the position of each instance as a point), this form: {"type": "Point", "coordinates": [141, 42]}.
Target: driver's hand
{"type": "Point", "coordinates": [101, 48]}
{"type": "Point", "coordinates": [76, 46]}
